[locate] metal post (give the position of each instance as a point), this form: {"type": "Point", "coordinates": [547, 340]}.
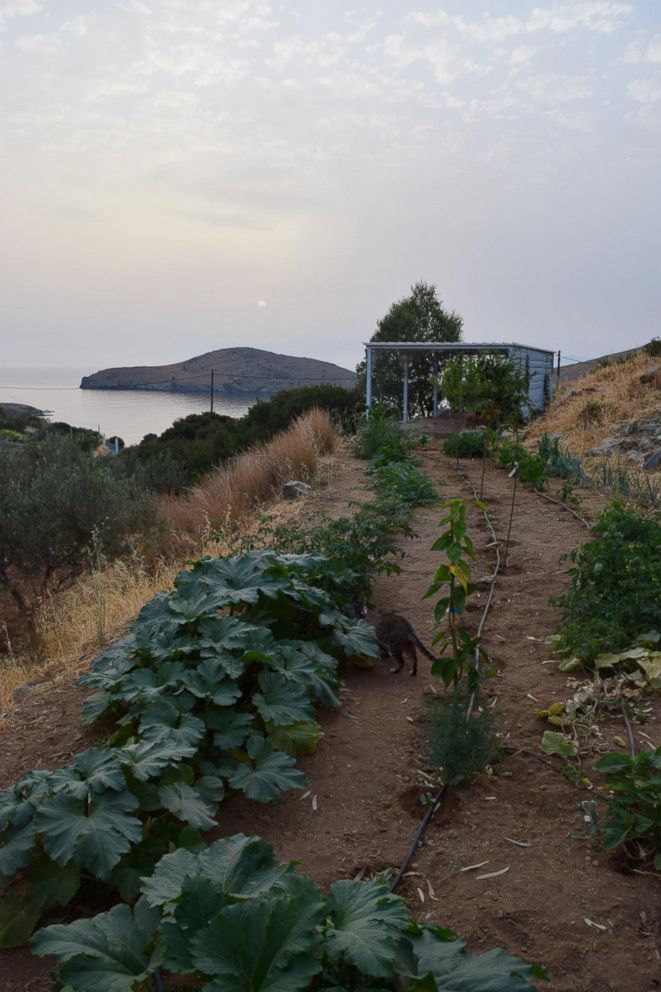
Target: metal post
{"type": "Point", "coordinates": [211, 391]}
{"type": "Point", "coordinates": [435, 394]}
{"type": "Point", "coordinates": [405, 401]}
{"type": "Point", "coordinates": [368, 384]}
{"type": "Point", "coordinates": [558, 375]}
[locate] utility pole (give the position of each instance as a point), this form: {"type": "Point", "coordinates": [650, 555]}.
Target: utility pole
{"type": "Point", "coordinates": [211, 391]}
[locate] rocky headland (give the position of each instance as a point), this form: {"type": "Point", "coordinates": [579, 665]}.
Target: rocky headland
{"type": "Point", "coordinates": [236, 372]}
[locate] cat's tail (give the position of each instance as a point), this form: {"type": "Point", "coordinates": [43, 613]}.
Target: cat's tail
{"type": "Point", "coordinates": [425, 651]}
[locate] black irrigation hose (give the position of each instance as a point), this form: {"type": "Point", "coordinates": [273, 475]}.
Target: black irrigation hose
{"type": "Point", "coordinates": [436, 801]}
{"type": "Point", "coordinates": [433, 806]}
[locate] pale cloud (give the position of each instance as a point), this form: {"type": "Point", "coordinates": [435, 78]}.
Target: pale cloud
{"type": "Point", "coordinates": [40, 44]}
{"type": "Point", "coordinates": [645, 90]}
{"type": "Point", "coordinates": [17, 8]}
{"type": "Point", "coordinates": [275, 149]}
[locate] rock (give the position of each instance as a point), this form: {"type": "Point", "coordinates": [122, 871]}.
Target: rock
{"type": "Point", "coordinates": [654, 375]}
{"type": "Point", "coordinates": [653, 460]}
{"type": "Point", "coordinates": [294, 489]}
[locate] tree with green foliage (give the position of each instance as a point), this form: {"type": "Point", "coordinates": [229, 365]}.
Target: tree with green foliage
{"type": "Point", "coordinates": [489, 385]}
{"type": "Point", "coordinates": [55, 499]}
{"type": "Point", "coordinates": [417, 317]}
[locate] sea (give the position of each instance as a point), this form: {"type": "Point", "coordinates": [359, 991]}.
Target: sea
{"type": "Point", "coordinates": [126, 413]}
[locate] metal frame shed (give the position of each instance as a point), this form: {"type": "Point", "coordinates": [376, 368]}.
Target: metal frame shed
{"type": "Point", "coordinates": [537, 361]}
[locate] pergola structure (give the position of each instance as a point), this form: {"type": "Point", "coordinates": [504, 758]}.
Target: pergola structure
{"type": "Point", "coordinates": [538, 362]}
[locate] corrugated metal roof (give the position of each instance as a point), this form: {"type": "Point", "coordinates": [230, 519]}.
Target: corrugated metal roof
{"type": "Point", "coordinates": [450, 346]}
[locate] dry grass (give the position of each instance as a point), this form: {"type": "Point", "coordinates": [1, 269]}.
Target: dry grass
{"type": "Point", "coordinates": [75, 623]}
{"type": "Point", "coordinates": [251, 479]}
{"type": "Point", "coordinates": [608, 395]}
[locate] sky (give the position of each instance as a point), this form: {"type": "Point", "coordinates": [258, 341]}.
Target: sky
{"type": "Point", "coordinates": [184, 175]}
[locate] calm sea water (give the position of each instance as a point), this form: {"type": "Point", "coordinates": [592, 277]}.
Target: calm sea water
{"type": "Point", "coordinates": [128, 413]}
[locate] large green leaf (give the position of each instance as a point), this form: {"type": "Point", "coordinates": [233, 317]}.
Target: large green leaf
{"type": "Point", "coordinates": [281, 700]}
{"type": "Point", "coordinates": [16, 850]}
{"type": "Point", "coordinates": [19, 913]}
{"type": "Point", "coordinates": [162, 721]}
{"type": "Point", "coordinates": [366, 923]}
{"type": "Point", "coordinates": [148, 759]}
{"type": "Point", "coordinates": [156, 627]}
{"type": "Point", "coordinates": [95, 838]}
{"type": "Point", "coordinates": [216, 582]}
{"type": "Point", "coordinates": [269, 774]}
{"type": "Point", "coordinates": [108, 953]}
{"type": "Point", "coordinates": [94, 771]}
{"type": "Point", "coordinates": [226, 633]}
{"type": "Point", "coordinates": [269, 945]}
{"type": "Point", "coordinates": [200, 901]}
{"type": "Point", "coordinates": [185, 802]}
{"type": "Point", "coordinates": [457, 971]}
{"type": "Point", "coordinates": [232, 728]}
{"type": "Point", "coordinates": [112, 663]}
{"type": "Point", "coordinates": [46, 885]}
{"type": "Point", "coordinates": [166, 882]}
{"type": "Point", "coordinates": [243, 867]}
{"type": "Point", "coordinates": [356, 638]}
{"type": "Point", "coordinates": [306, 664]}
{"type": "Point", "coordinates": [209, 681]}
{"type": "Point", "coordinates": [240, 866]}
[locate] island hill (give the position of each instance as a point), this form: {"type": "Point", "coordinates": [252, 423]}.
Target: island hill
{"type": "Point", "coordinates": [237, 372]}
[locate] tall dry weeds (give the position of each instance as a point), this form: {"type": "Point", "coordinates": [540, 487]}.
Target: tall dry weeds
{"type": "Point", "coordinates": [603, 397]}
{"type": "Point", "coordinates": [78, 621]}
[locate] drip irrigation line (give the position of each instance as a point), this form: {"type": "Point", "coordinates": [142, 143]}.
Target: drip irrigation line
{"type": "Point", "coordinates": [436, 802]}
{"type": "Point", "coordinates": [627, 722]}
{"type": "Point", "coordinates": [564, 506]}
{"type": "Point", "coordinates": [433, 806]}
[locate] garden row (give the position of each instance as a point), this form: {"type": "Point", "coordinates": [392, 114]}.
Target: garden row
{"type": "Point", "coordinates": [213, 691]}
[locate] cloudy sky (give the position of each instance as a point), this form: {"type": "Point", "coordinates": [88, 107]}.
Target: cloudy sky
{"type": "Point", "coordinates": [185, 175]}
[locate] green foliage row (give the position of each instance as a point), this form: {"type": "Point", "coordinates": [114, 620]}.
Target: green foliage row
{"type": "Point", "coordinates": [202, 703]}
{"type": "Point", "coordinates": [241, 921]}
{"type": "Point", "coordinates": [615, 590]}
{"type": "Point", "coordinates": [197, 443]}
{"type": "Point", "coordinates": [468, 444]}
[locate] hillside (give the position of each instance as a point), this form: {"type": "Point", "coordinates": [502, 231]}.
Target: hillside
{"type": "Point", "coordinates": [236, 371]}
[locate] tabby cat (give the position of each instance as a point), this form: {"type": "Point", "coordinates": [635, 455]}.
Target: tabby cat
{"type": "Point", "coordinates": [396, 637]}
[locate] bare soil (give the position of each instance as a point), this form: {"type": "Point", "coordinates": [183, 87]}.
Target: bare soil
{"type": "Point", "coordinates": [561, 902]}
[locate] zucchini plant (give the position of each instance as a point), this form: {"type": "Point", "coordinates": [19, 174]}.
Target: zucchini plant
{"type": "Point", "coordinates": [239, 920]}
{"type": "Point", "coordinates": [213, 690]}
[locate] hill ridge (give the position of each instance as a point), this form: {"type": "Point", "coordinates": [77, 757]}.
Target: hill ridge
{"type": "Point", "coordinates": [237, 370]}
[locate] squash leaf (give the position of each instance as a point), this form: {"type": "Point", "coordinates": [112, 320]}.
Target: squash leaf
{"type": "Point", "coordinates": [366, 924]}
{"type": "Point", "coordinates": [269, 773]}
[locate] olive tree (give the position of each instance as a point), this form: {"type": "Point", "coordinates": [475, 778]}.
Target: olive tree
{"type": "Point", "coordinates": [55, 499]}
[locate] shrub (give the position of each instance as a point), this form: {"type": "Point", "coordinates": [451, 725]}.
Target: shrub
{"type": "Point", "coordinates": [615, 591]}
{"type": "Point", "coordinates": [467, 444]}
{"type": "Point", "coordinates": [380, 433]}
{"type": "Point", "coordinates": [54, 500]}
{"type": "Point", "coordinates": [462, 748]}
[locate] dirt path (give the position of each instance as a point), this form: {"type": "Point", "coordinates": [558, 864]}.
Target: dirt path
{"type": "Point", "coordinates": [363, 806]}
